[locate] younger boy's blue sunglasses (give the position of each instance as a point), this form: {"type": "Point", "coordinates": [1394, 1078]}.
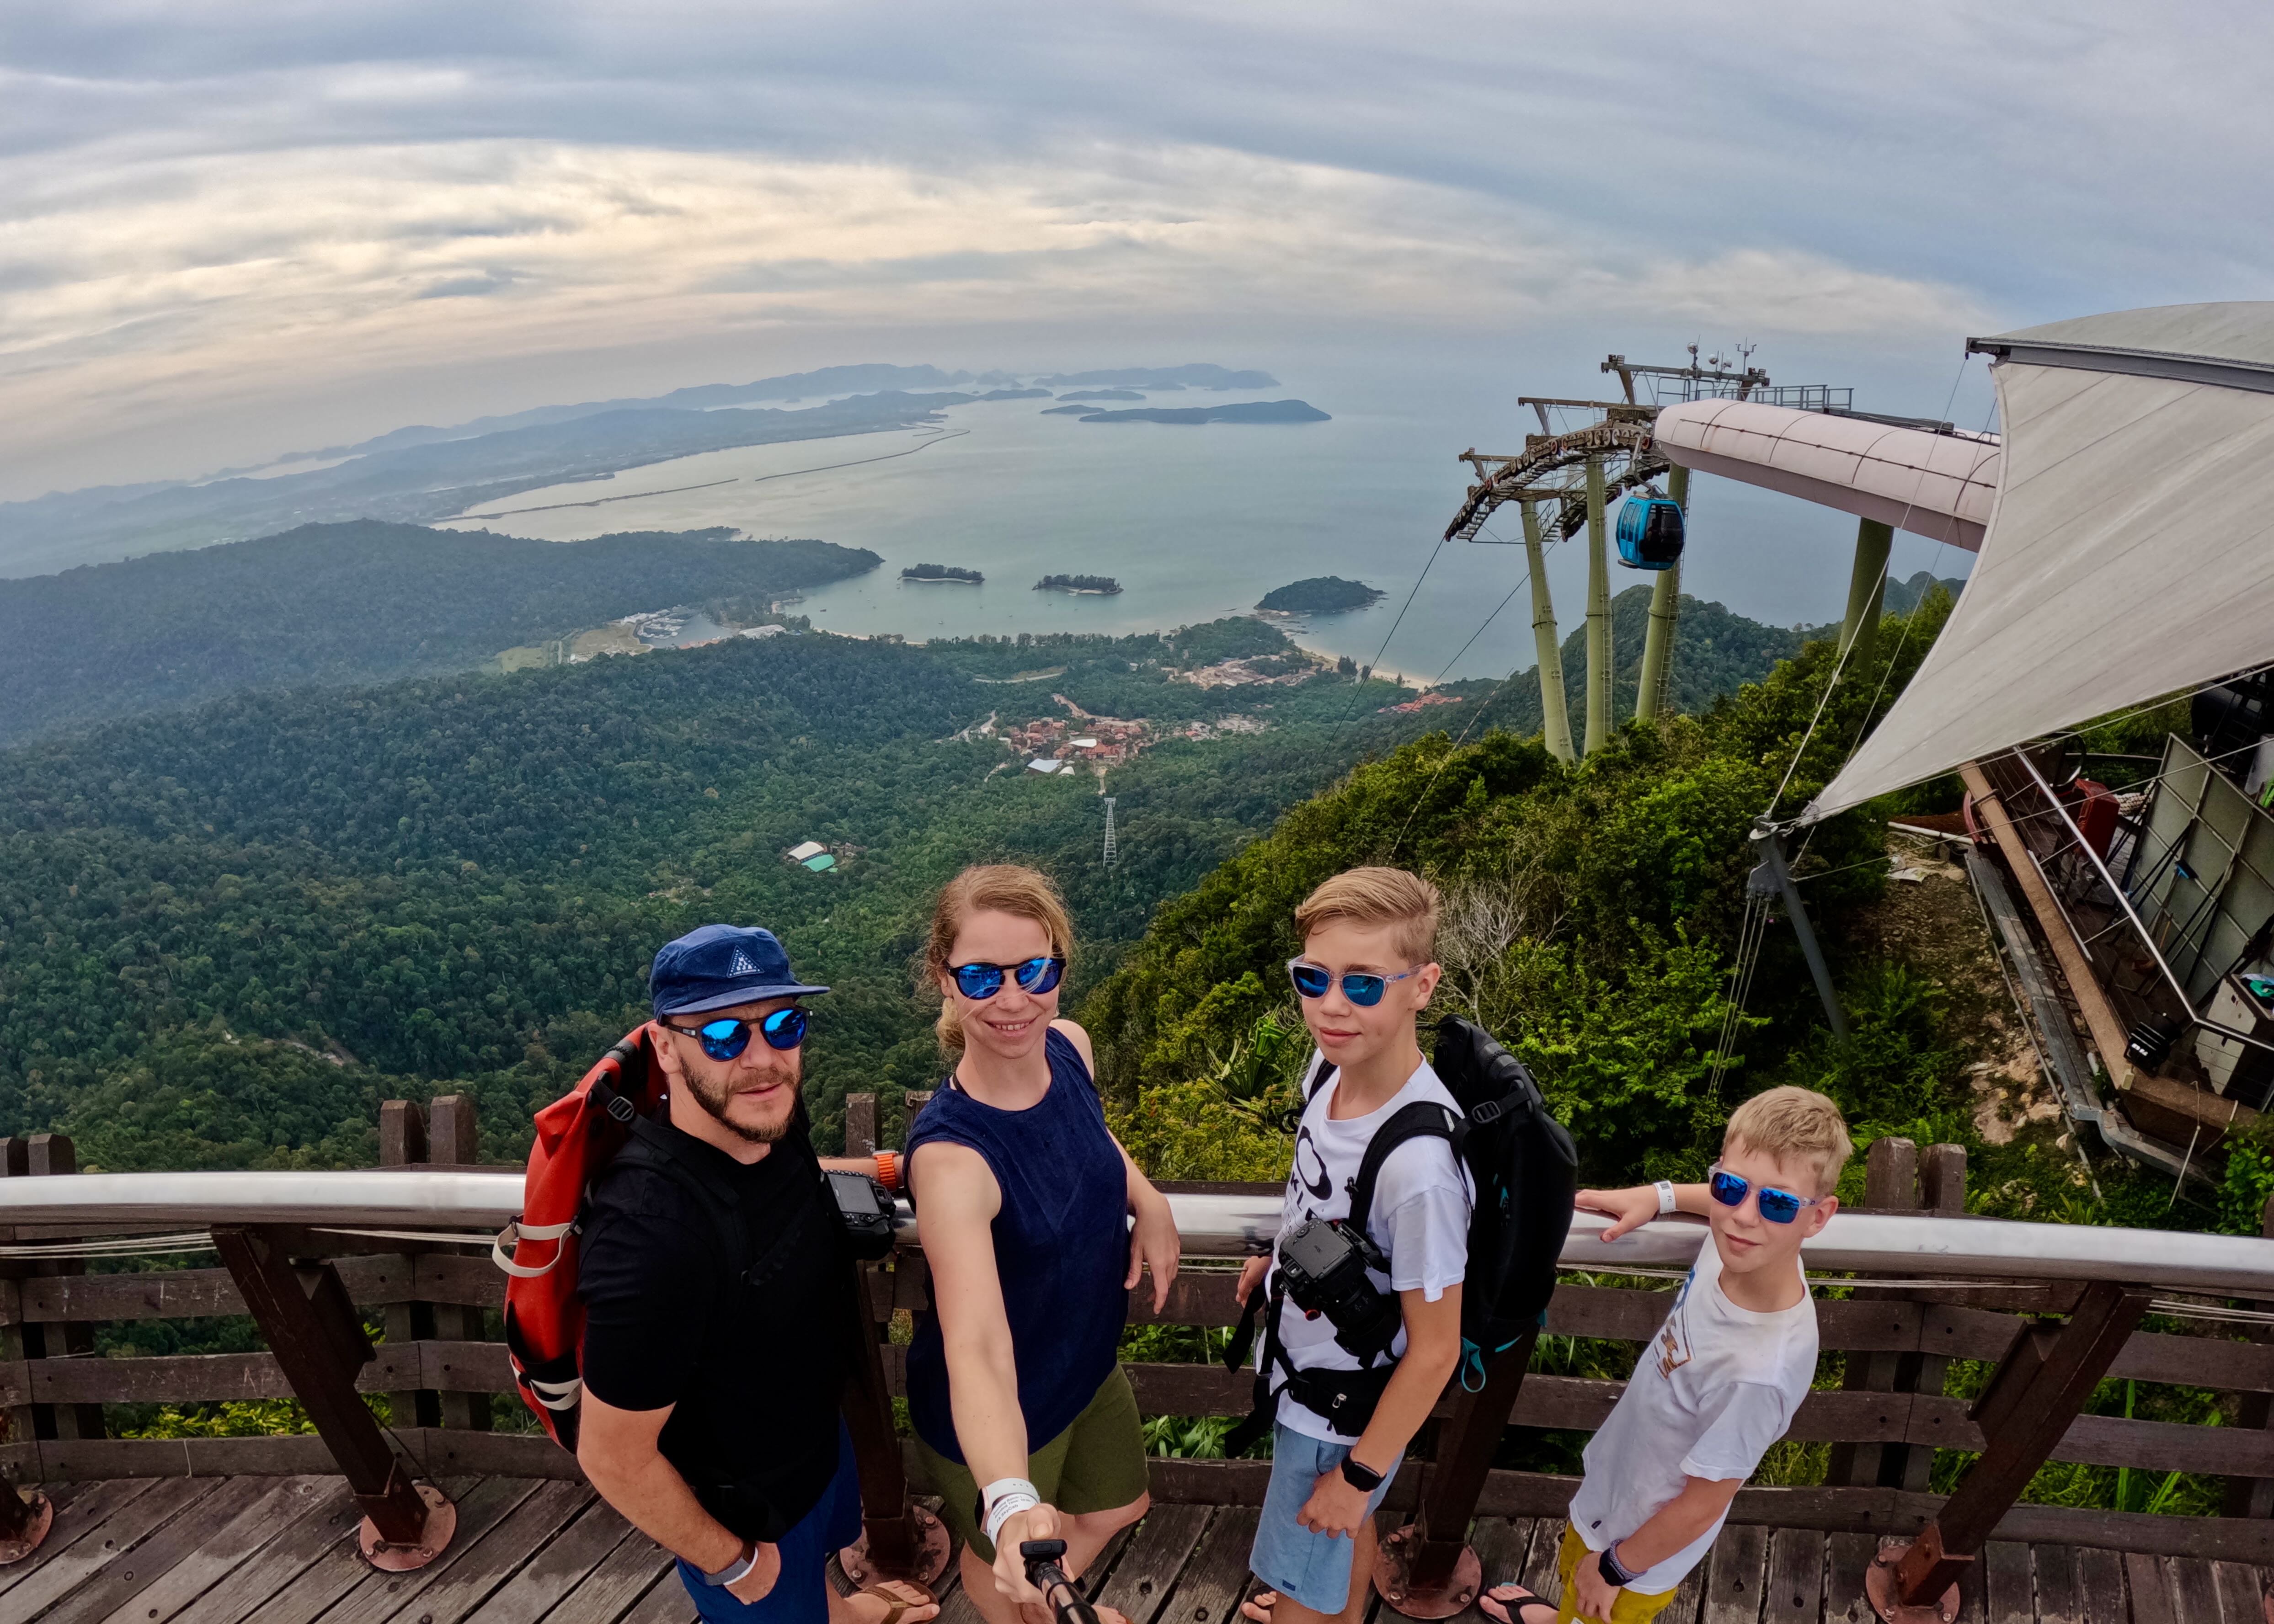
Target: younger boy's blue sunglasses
{"type": "Point", "coordinates": [1777, 1206]}
{"type": "Point", "coordinates": [726, 1038]}
{"type": "Point", "coordinates": [1363, 987]}
{"type": "Point", "coordinates": [984, 981]}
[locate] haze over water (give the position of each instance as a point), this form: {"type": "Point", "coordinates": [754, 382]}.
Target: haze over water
{"type": "Point", "coordinates": [1196, 523]}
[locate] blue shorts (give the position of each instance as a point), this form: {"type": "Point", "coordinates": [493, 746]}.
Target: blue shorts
{"type": "Point", "coordinates": [1313, 1569]}
{"type": "Point", "coordinates": [800, 1594]}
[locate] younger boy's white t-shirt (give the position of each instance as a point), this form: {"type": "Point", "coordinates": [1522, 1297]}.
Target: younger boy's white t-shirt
{"type": "Point", "coordinates": [1716, 1388]}
{"type": "Point", "coordinates": [1419, 1219]}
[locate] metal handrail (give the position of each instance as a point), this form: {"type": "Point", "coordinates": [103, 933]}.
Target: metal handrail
{"type": "Point", "coordinates": [1220, 1226]}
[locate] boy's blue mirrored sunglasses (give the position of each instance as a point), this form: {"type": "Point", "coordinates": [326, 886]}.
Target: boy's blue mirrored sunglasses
{"type": "Point", "coordinates": [1777, 1206]}
{"type": "Point", "coordinates": [1362, 988]}
{"type": "Point", "coordinates": [984, 981]}
{"type": "Point", "coordinates": [726, 1038]}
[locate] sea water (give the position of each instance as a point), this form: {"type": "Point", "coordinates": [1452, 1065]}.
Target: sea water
{"type": "Point", "coordinates": [1195, 523]}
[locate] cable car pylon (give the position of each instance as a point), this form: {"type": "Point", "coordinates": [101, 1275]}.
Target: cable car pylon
{"type": "Point", "coordinates": [1110, 852]}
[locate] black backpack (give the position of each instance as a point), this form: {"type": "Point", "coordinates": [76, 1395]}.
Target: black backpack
{"type": "Point", "coordinates": [1524, 1167]}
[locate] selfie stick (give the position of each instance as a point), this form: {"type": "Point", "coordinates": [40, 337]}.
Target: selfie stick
{"type": "Point", "coordinates": [1044, 1574]}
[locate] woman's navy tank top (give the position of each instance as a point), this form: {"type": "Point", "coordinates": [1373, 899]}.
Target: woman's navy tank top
{"type": "Point", "coordinates": [1061, 1248]}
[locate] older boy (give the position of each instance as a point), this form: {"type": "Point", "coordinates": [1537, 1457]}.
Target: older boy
{"type": "Point", "coordinates": [1363, 978]}
{"type": "Point", "coordinates": [1721, 1380]}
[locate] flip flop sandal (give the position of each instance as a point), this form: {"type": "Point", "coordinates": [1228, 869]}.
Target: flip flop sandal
{"type": "Point", "coordinates": [1516, 1609]}
{"type": "Point", "coordinates": [895, 1608]}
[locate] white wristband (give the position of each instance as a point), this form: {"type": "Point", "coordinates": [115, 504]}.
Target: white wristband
{"type": "Point", "coordinates": [1009, 1505]}
{"type": "Point", "coordinates": [1665, 1189]}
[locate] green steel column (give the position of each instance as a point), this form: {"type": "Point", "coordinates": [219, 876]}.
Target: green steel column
{"type": "Point", "coordinates": [1867, 589]}
{"type": "Point", "coordinates": [1665, 606]}
{"type": "Point", "coordinates": [1599, 614]}
{"type": "Point", "coordinates": [1555, 716]}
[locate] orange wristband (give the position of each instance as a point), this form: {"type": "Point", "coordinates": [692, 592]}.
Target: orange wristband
{"type": "Point", "coordinates": [888, 1170]}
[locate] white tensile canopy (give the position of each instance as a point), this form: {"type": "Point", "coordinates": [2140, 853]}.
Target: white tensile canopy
{"type": "Point", "coordinates": [2130, 553]}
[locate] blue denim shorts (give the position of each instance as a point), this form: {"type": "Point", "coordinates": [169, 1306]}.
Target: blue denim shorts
{"type": "Point", "coordinates": [1313, 1569]}
{"type": "Point", "coordinates": [800, 1594]}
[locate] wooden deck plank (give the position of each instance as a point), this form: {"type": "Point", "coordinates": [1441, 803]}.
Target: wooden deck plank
{"type": "Point", "coordinates": [464, 1580]}
{"type": "Point", "coordinates": [1792, 1591]}
{"type": "Point", "coordinates": [1141, 1580]}
{"type": "Point", "coordinates": [2151, 1600]}
{"type": "Point", "coordinates": [1732, 1585]}
{"type": "Point", "coordinates": [617, 1584]}
{"type": "Point", "coordinates": [119, 1533]}
{"type": "Point", "coordinates": [1847, 1558]}
{"type": "Point", "coordinates": [563, 1564]}
{"type": "Point", "coordinates": [333, 1516]}
{"type": "Point", "coordinates": [1500, 1544]}
{"type": "Point", "coordinates": [152, 1558]}
{"type": "Point", "coordinates": [2011, 1585]}
{"type": "Point", "coordinates": [2055, 1568]}
{"type": "Point", "coordinates": [668, 1603]}
{"type": "Point", "coordinates": [1973, 1600]}
{"type": "Point", "coordinates": [2100, 1586]}
{"type": "Point", "coordinates": [1209, 1589]}
{"type": "Point", "coordinates": [2194, 1591]}
{"type": "Point", "coordinates": [1540, 1574]}
{"type": "Point", "coordinates": [211, 1557]}
{"type": "Point", "coordinates": [79, 1513]}
{"type": "Point", "coordinates": [2241, 1600]}
{"type": "Point", "coordinates": [340, 1585]}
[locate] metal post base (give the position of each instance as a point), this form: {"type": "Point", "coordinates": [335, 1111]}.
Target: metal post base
{"type": "Point", "coordinates": [1393, 1576]}
{"type": "Point", "coordinates": [1883, 1588]}
{"type": "Point", "coordinates": [433, 1536]}
{"type": "Point", "coordinates": [39, 1517]}
{"type": "Point", "coordinates": [934, 1544]}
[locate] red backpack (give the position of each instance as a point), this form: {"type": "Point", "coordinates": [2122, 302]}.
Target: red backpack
{"type": "Point", "coordinates": [578, 1135]}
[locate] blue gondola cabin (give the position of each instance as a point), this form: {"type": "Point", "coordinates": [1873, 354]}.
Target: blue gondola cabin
{"type": "Point", "coordinates": [1650, 531]}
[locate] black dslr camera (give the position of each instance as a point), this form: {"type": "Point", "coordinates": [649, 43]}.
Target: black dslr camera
{"type": "Point", "coordinates": [1324, 1264]}
{"type": "Point", "coordinates": [866, 1211]}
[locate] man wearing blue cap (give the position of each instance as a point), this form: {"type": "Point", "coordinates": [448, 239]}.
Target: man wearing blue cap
{"type": "Point", "coordinates": [714, 1284]}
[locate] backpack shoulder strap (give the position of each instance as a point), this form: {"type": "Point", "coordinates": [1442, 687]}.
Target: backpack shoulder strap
{"type": "Point", "coordinates": [1321, 1074]}
{"type": "Point", "coordinates": [1422, 1119]}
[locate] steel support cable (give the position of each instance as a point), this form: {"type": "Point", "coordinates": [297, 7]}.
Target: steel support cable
{"type": "Point", "coordinates": [1474, 716]}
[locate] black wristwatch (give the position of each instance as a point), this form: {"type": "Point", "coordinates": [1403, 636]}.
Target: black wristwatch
{"type": "Point", "coordinates": [1614, 1574]}
{"type": "Point", "coordinates": [1359, 1475]}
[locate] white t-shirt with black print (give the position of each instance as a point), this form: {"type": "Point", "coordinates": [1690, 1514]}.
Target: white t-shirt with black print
{"type": "Point", "coordinates": [1716, 1388]}
{"type": "Point", "coordinates": [1419, 1219]}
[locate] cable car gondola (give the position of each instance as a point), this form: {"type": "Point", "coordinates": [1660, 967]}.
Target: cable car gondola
{"type": "Point", "coordinates": [1650, 531]}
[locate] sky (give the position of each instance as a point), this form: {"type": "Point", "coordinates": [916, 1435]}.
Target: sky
{"type": "Point", "coordinates": [231, 230]}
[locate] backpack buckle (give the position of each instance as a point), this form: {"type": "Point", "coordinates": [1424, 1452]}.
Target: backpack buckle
{"type": "Point", "coordinates": [619, 1107]}
{"type": "Point", "coordinates": [1487, 1114]}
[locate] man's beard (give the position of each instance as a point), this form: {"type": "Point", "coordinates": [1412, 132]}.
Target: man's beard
{"type": "Point", "coordinates": [717, 1104]}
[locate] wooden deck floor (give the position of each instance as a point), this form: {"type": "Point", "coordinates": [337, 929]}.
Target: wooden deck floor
{"type": "Point", "coordinates": [280, 1551]}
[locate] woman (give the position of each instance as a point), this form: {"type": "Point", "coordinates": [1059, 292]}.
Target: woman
{"type": "Point", "coordinates": [1023, 1200]}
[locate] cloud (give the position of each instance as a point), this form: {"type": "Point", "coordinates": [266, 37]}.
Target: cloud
{"type": "Point", "coordinates": [210, 205]}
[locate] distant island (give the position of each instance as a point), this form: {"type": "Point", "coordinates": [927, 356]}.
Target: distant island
{"type": "Point", "coordinates": [1321, 595]}
{"type": "Point", "coordinates": [1200, 375]}
{"type": "Point", "coordinates": [1105, 584]}
{"type": "Point", "coordinates": [1102, 395]}
{"type": "Point", "coordinates": [942, 572]}
{"type": "Point", "coordinates": [1072, 411]}
{"type": "Point", "coordinates": [1246, 411]}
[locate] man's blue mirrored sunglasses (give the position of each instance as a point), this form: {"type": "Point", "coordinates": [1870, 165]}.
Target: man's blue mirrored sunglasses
{"type": "Point", "coordinates": [725, 1039]}
{"type": "Point", "coordinates": [1777, 1206]}
{"type": "Point", "coordinates": [1363, 987]}
{"type": "Point", "coordinates": [984, 981]}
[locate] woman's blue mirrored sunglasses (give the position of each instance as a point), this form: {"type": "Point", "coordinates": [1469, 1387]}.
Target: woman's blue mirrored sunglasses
{"type": "Point", "coordinates": [727, 1038]}
{"type": "Point", "coordinates": [984, 981]}
{"type": "Point", "coordinates": [1362, 988]}
{"type": "Point", "coordinates": [1777, 1206]}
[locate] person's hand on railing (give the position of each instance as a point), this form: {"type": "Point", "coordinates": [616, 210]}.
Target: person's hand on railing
{"type": "Point", "coordinates": [1627, 1209]}
{"type": "Point", "coordinates": [1251, 1279]}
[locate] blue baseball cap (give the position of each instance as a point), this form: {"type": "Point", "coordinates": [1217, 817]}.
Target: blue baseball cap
{"type": "Point", "coordinates": [718, 966]}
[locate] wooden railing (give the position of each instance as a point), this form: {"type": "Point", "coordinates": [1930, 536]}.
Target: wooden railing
{"type": "Point", "coordinates": [442, 1369]}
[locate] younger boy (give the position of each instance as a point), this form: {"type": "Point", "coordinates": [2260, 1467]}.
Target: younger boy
{"type": "Point", "coordinates": [1363, 979]}
{"type": "Point", "coordinates": [1721, 1380]}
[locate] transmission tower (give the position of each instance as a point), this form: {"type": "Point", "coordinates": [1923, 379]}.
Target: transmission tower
{"type": "Point", "coordinates": [1110, 852]}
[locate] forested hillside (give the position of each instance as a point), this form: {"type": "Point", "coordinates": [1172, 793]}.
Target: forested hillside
{"type": "Point", "coordinates": [360, 601]}
{"type": "Point", "coordinates": [226, 933]}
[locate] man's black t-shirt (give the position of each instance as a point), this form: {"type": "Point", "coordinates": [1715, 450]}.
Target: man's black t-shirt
{"type": "Point", "coordinates": [754, 1364]}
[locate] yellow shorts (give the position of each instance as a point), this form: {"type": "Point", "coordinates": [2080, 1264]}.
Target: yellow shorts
{"type": "Point", "coordinates": [1633, 1606]}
